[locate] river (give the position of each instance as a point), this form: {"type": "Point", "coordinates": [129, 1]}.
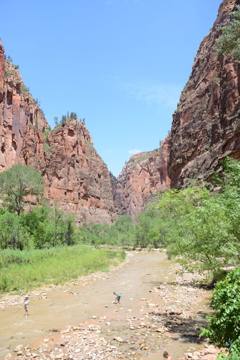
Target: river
{"type": "Point", "coordinates": [147, 283]}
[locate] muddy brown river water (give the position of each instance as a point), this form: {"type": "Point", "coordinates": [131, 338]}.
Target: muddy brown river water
{"type": "Point", "coordinates": [147, 282]}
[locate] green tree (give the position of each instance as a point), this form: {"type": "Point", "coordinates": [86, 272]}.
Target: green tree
{"type": "Point", "coordinates": [224, 325]}
{"type": "Point", "coordinates": [50, 227]}
{"type": "Point", "coordinates": [16, 184]}
{"type": "Point", "coordinates": [37, 222]}
{"type": "Point", "coordinates": [13, 235]}
{"type": "Point", "coordinates": [228, 41]}
{"type": "Point", "coordinates": [64, 120]}
{"type": "Point", "coordinates": [202, 229]}
{"type": "Point", "coordinates": [73, 115]}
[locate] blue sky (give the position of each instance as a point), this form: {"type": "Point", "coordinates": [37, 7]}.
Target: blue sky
{"type": "Point", "coordinates": [120, 64]}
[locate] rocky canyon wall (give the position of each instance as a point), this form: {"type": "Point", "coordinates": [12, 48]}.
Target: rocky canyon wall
{"type": "Point", "coordinates": [143, 176]}
{"type": "Point", "coordinates": [18, 112]}
{"type": "Point", "coordinates": [76, 178]}
{"type": "Point", "coordinates": [206, 124]}
{"type": "Point", "coordinates": [205, 128]}
{"type": "Point", "coordinates": [75, 175]}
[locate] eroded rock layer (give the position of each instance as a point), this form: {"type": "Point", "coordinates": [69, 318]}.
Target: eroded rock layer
{"type": "Point", "coordinates": [75, 175]}
{"type": "Point", "coordinates": [141, 178]}
{"type": "Point", "coordinates": [205, 125]}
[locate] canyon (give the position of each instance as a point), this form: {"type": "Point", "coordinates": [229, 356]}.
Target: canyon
{"type": "Point", "coordinates": [205, 129]}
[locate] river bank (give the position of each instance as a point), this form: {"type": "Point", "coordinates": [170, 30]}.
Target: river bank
{"type": "Point", "coordinates": [159, 311]}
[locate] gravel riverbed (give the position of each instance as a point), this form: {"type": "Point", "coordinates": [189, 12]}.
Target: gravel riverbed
{"type": "Point", "coordinates": [168, 317]}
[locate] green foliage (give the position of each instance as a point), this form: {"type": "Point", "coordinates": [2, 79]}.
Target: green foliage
{"type": "Point", "coordinates": [50, 227]}
{"type": "Point", "coordinates": [64, 120]}
{"type": "Point", "coordinates": [13, 235]}
{"type": "Point", "coordinates": [200, 228]}
{"type": "Point", "coordinates": [232, 356]}
{"type": "Point", "coordinates": [73, 115]}
{"type": "Point", "coordinates": [47, 147]}
{"type": "Point", "coordinates": [23, 89]}
{"type": "Point", "coordinates": [25, 270]}
{"type": "Point", "coordinates": [228, 42]}
{"type": "Point", "coordinates": [121, 233]}
{"type": "Point", "coordinates": [16, 184]}
{"type": "Point", "coordinates": [149, 228]}
{"type": "Point", "coordinates": [224, 326]}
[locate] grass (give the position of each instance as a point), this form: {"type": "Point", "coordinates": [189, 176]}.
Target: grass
{"type": "Point", "coordinates": [22, 271]}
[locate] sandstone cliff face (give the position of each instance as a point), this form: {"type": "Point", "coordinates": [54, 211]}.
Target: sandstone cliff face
{"type": "Point", "coordinates": [141, 178]}
{"type": "Point", "coordinates": [75, 175]}
{"type": "Point", "coordinates": [76, 178]}
{"type": "Point", "coordinates": [205, 125]}
{"type": "Point", "coordinates": [18, 111]}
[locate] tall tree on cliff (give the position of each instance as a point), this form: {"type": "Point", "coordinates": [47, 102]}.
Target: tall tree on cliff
{"type": "Point", "coordinates": [16, 184]}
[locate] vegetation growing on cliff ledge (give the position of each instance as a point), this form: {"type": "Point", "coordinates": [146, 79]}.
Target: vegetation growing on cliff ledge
{"type": "Point", "coordinates": [229, 42]}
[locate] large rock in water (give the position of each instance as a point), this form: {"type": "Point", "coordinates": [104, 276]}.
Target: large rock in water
{"type": "Point", "coordinates": [206, 124]}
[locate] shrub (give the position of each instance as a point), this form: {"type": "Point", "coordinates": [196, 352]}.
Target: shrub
{"type": "Point", "coordinates": [224, 326]}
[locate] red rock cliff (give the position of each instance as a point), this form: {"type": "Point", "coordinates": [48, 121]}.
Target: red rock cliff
{"type": "Point", "coordinates": [144, 175]}
{"type": "Point", "coordinates": [75, 175]}
{"type": "Point", "coordinates": [206, 124]}
{"type": "Point", "coordinates": [18, 111]}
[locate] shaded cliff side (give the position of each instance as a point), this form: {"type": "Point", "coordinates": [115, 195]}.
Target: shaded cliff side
{"type": "Point", "coordinates": [75, 175]}
{"type": "Point", "coordinates": [144, 175]}
{"type": "Point", "coordinates": [205, 125]}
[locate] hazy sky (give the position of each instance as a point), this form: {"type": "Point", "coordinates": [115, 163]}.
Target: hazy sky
{"type": "Point", "coordinates": [120, 64]}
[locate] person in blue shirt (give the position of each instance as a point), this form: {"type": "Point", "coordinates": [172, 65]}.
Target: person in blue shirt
{"type": "Point", "coordinates": [118, 297]}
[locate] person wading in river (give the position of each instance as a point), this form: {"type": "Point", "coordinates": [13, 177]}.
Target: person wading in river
{"type": "Point", "coordinates": [167, 356]}
{"type": "Point", "coordinates": [118, 297]}
{"type": "Point", "coordinates": [26, 305]}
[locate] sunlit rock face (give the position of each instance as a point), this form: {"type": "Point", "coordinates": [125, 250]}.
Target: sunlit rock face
{"type": "Point", "coordinates": [18, 112]}
{"type": "Point", "coordinates": [143, 176]}
{"type": "Point", "coordinates": [75, 175]}
{"type": "Point", "coordinates": [76, 178]}
{"type": "Point", "coordinates": [205, 125]}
